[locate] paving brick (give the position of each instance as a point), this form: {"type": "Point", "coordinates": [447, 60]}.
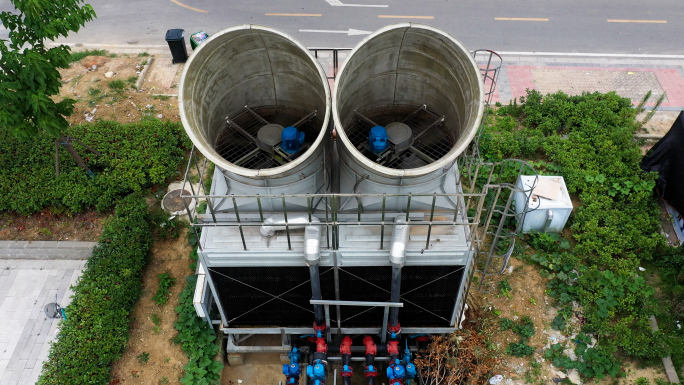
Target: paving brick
{"type": "Point", "coordinates": [33, 357]}
{"type": "Point", "coordinates": [10, 280]}
{"type": "Point", "coordinates": [9, 351]}
{"type": "Point", "coordinates": [3, 366]}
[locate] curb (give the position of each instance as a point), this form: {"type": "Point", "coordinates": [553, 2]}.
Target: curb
{"type": "Point", "coordinates": [144, 72]}
{"type": "Point", "coordinates": [667, 361]}
{"type": "Point", "coordinates": [44, 250]}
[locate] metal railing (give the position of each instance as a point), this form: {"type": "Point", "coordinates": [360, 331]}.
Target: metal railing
{"type": "Point", "coordinates": [484, 209]}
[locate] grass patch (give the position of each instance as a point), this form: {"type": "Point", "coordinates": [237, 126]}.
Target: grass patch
{"type": "Point", "coordinates": [117, 85]}
{"type": "Point", "coordinates": [80, 55]}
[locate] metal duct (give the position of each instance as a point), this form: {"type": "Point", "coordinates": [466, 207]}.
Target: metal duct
{"type": "Point", "coordinates": [237, 92]}
{"type": "Point", "coordinates": [406, 76]}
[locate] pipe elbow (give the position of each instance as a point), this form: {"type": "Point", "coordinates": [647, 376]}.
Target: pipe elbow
{"type": "Point", "coordinates": [400, 237]}
{"type": "Point", "coordinates": [277, 222]}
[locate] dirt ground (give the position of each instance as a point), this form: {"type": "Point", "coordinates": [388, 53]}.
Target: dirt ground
{"type": "Point", "coordinates": [46, 226]}
{"type": "Point", "coordinates": [98, 98]}
{"type": "Point", "coordinates": [166, 359]}
{"type": "Point", "coordinates": [528, 298]}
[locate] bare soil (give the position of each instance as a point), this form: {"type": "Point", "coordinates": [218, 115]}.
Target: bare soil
{"type": "Point", "coordinates": [166, 359]}
{"type": "Point", "coordinates": [97, 99]}
{"type": "Point", "coordinates": [528, 298]}
{"type": "Point", "coordinates": [47, 226]}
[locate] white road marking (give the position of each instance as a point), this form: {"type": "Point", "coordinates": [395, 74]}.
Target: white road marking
{"type": "Point", "coordinates": [579, 54]}
{"type": "Point", "coordinates": [339, 3]}
{"type": "Point", "coordinates": [349, 32]}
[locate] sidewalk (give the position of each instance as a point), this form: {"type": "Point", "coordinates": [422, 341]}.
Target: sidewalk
{"type": "Point", "coordinates": [30, 278]}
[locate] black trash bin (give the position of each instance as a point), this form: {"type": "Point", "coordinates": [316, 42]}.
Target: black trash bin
{"type": "Point", "coordinates": [176, 40]}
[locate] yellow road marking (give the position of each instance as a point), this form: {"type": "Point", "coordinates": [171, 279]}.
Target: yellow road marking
{"type": "Point", "coordinates": [188, 7]}
{"type": "Point", "coordinates": [404, 17]}
{"type": "Point", "coordinates": [522, 18]}
{"type": "Point", "coordinates": [294, 14]}
{"type": "Point", "coordinates": [637, 21]}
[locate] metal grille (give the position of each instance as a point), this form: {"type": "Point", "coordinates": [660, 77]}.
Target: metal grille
{"type": "Point", "coordinates": [279, 296]}
{"type": "Point", "coordinates": [434, 143]}
{"type": "Point", "coordinates": [236, 148]}
{"type": "Point", "coordinates": [263, 296]}
{"type": "Point", "coordinates": [428, 293]}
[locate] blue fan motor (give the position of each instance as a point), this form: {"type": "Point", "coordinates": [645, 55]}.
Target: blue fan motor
{"type": "Point", "coordinates": [377, 139]}
{"type": "Point", "coordinates": [291, 139]}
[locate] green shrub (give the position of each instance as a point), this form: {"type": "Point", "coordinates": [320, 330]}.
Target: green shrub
{"type": "Point", "coordinates": [197, 340]}
{"type": "Point", "coordinates": [134, 157]}
{"type": "Point", "coordinates": [118, 85]}
{"type": "Point", "coordinates": [589, 140]}
{"type": "Point", "coordinates": [95, 333]}
{"type": "Point", "coordinates": [165, 283]}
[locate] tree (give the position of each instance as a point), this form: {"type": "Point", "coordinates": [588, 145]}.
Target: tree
{"type": "Point", "coordinates": [28, 69]}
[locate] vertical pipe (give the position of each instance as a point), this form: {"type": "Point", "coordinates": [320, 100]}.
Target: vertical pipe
{"type": "Point", "coordinates": [319, 315]}
{"type": "Point", "coordinates": [397, 257]}
{"type": "Point", "coordinates": [394, 297]}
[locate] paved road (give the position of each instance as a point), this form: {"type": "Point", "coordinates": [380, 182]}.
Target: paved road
{"type": "Point", "coordinates": [593, 26]}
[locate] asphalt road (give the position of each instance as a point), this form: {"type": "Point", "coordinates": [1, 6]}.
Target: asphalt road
{"type": "Point", "coordinates": [585, 26]}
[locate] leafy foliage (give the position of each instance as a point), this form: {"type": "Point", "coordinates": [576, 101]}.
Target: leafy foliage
{"type": "Point", "coordinates": [96, 331]}
{"type": "Point", "coordinates": [28, 70]}
{"type": "Point", "coordinates": [591, 362]}
{"type": "Point", "coordinates": [195, 336]}
{"type": "Point", "coordinates": [589, 140]}
{"type": "Point", "coordinates": [197, 340]}
{"type": "Point", "coordinates": [134, 156]}
{"type": "Point", "coordinates": [165, 283]}
{"type": "Point", "coordinates": [523, 328]}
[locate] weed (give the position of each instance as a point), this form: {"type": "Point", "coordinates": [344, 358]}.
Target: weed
{"type": "Point", "coordinates": [143, 54]}
{"type": "Point", "coordinates": [143, 357]}
{"type": "Point", "coordinates": [519, 349]}
{"type": "Point", "coordinates": [505, 288]}
{"type": "Point", "coordinates": [45, 231]}
{"type": "Point", "coordinates": [660, 381]}
{"type": "Point", "coordinates": [156, 320]}
{"type": "Point", "coordinates": [165, 283]}
{"type": "Point", "coordinates": [161, 97]}
{"type": "Point", "coordinates": [506, 324]}
{"type": "Point", "coordinates": [78, 56]}
{"type": "Point", "coordinates": [96, 95]}
{"type": "Point", "coordinates": [167, 359]}
{"type": "Point", "coordinates": [117, 85]}
{"type": "Point", "coordinates": [642, 381]}
{"type": "Point", "coordinates": [131, 80]}
{"type": "Point", "coordinates": [164, 380]}
{"type": "Point", "coordinates": [144, 62]}
{"type": "Point", "coordinates": [533, 373]}
{"type": "Point", "coordinates": [533, 301]}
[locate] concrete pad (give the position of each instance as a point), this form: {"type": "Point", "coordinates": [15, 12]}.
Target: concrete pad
{"type": "Point", "coordinates": [26, 286]}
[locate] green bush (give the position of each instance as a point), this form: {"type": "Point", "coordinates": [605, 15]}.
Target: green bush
{"type": "Point", "coordinates": [134, 157]}
{"type": "Point", "coordinates": [165, 283]}
{"type": "Point", "coordinates": [589, 140]}
{"type": "Point", "coordinates": [197, 340]}
{"type": "Point", "coordinates": [95, 333]}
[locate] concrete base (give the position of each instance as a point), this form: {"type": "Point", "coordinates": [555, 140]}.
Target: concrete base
{"type": "Point", "coordinates": [235, 359]}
